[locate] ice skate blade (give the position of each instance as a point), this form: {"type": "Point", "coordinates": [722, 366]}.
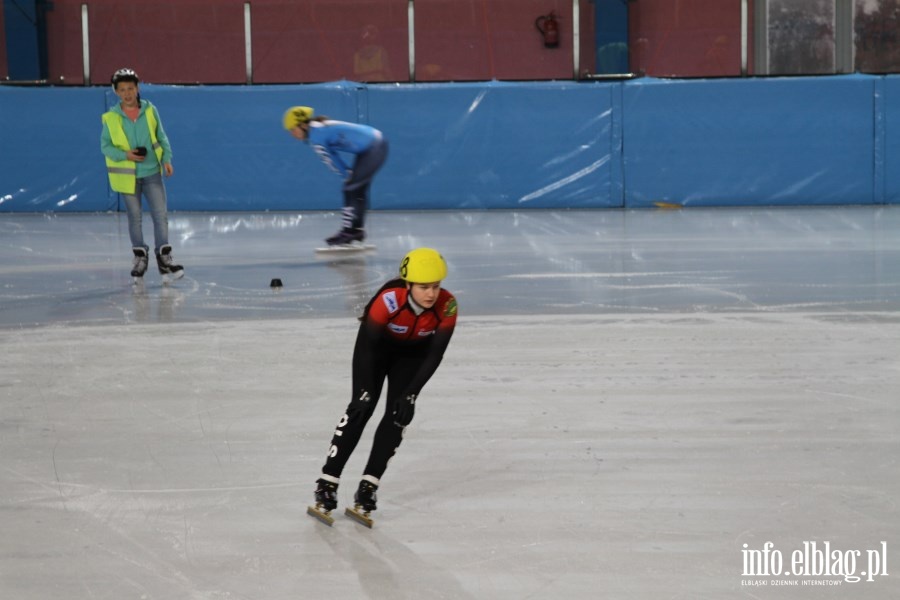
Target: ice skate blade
{"type": "Point", "coordinates": [356, 513]}
{"type": "Point", "coordinates": [322, 515]}
{"type": "Point", "coordinates": [168, 278]}
{"type": "Point", "coordinates": [345, 249]}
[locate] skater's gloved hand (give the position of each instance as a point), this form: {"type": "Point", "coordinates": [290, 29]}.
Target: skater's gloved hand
{"type": "Point", "coordinates": [360, 402]}
{"type": "Point", "coordinates": [406, 408]}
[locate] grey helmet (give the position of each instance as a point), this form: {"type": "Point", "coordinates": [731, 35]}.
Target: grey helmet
{"type": "Point", "coordinates": [124, 75]}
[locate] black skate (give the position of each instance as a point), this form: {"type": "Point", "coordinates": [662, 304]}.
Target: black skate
{"type": "Point", "coordinates": [364, 503]}
{"type": "Point", "coordinates": [347, 237]}
{"type": "Point", "coordinates": [326, 501]}
{"type": "Point", "coordinates": [166, 264]}
{"type": "Point", "coordinates": [139, 266]}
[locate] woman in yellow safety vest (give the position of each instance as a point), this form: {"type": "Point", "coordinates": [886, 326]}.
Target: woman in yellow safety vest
{"type": "Point", "coordinates": [137, 154]}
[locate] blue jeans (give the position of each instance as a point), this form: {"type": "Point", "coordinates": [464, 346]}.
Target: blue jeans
{"type": "Point", "coordinates": [154, 191]}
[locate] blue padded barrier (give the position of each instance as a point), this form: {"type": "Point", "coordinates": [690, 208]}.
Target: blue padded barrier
{"type": "Point", "coordinates": [641, 143]}
{"type": "Point", "coordinates": [231, 153]}
{"type": "Point", "coordinates": [50, 151]}
{"type": "Point", "coordinates": [749, 141]}
{"type": "Point", "coordinates": [890, 145]}
{"type": "Point", "coordinates": [496, 145]}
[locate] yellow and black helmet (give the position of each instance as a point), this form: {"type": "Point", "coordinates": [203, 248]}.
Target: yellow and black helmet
{"type": "Point", "coordinates": [296, 116]}
{"type": "Point", "coordinates": [423, 265]}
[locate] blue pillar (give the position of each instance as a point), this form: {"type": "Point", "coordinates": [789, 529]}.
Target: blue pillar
{"type": "Point", "coordinates": [24, 25]}
{"type": "Point", "coordinates": [611, 36]}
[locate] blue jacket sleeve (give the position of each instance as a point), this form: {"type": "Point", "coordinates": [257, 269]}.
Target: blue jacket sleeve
{"type": "Point", "coordinates": [332, 160]}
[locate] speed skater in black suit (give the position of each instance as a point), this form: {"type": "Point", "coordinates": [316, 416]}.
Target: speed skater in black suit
{"type": "Point", "coordinates": [403, 334]}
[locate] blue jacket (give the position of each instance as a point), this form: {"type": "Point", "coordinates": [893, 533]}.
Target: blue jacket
{"type": "Point", "coordinates": [138, 134]}
{"type": "Point", "coordinates": [328, 138]}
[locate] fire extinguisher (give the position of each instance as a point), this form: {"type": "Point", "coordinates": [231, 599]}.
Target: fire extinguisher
{"type": "Point", "coordinates": [549, 28]}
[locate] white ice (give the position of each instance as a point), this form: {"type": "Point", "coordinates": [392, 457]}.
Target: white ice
{"type": "Point", "coordinates": [629, 399]}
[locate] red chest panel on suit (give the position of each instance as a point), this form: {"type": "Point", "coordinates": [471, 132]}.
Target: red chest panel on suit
{"type": "Point", "coordinates": [392, 312]}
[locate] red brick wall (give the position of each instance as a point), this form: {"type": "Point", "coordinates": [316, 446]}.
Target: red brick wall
{"type": "Point", "coordinates": [686, 38]}
{"type": "Point", "coordinates": [202, 41]}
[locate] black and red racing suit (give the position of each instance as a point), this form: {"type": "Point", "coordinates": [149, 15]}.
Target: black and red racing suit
{"type": "Point", "coordinates": [403, 343]}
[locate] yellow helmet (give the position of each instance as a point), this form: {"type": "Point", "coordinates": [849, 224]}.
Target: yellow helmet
{"type": "Point", "coordinates": [423, 265]}
{"type": "Point", "coordinates": [296, 116]}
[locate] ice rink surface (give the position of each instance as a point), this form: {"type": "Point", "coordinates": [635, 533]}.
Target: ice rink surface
{"type": "Point", "coordinates": [633, 405]}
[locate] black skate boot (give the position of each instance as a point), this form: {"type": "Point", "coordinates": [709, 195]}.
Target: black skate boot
{"type": "Point", "coordinates": [346, 237]}
{"type": "Point", "coordinates": [326, 501]}
{"type": "Point", "coordinates": [365, 496]}
{"type": "Point", "coordinates": [139, 266]}
{"type": "Point", "coordinates": [364, 503]}
{"type": "Point", "coordinates": [166, 264]}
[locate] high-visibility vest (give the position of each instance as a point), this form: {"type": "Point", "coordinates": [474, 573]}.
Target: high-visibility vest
{"type": "Point", "coordinates": [122, 172]}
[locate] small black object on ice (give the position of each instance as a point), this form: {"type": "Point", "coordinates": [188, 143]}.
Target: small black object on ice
{"type": "Point", "coordinates": [276, 283]}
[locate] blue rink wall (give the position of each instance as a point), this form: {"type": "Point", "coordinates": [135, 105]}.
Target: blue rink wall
{"type": "Point", "coordinates": [637, 143]}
